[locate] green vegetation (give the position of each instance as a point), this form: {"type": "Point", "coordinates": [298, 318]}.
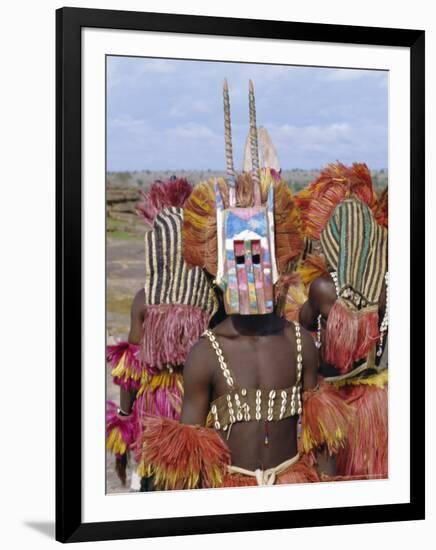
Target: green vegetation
{"type": "Point", "coordinates": [124, 235]}
{"type": "Point", "coordinates": [119, 229]}
{"type": "Point", "coordinates": [118, 304]}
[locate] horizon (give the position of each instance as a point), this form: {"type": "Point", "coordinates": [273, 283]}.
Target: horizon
{"type": "Point", "coordinates": [133, 171]}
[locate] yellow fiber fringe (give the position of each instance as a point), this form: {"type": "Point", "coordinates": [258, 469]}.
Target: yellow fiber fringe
{"type": "Point", "coordinates": [379, 380]}
{"type": "Point", "coordinates": [123, 372]}
{"type": "Point", "coordinates": [163, 380]}
{"type": "Point", "coordinates": [115, 443]}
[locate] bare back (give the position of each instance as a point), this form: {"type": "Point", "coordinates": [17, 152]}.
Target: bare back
{"type": "Point", "coordinates": [264, 359]}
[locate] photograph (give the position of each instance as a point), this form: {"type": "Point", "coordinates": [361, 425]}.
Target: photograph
{"type": "Point", "coordinates": [247, 274]}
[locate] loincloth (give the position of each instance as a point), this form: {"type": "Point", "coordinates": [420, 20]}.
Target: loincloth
{"type": "Point", "coordinates": [294, 470]}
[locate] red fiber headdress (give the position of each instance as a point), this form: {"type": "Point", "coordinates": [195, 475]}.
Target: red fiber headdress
{"type": "Point", "coordinates": [162, 195]}
{"type": "Point", "coordinates": [335, 183]}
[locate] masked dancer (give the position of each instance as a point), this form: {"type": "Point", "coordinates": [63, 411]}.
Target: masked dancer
{"type": "Point", "coordinates": [347, 306]}
{"type": "Point", "coordinates": [249, 381]}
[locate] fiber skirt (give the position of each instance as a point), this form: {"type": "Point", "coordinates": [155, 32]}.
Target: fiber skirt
{"type": "Point", "coordinates": [365, 455]}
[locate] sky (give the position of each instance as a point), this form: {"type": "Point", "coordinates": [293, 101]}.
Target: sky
{"type": "Point", "coordinates": [166, 114]}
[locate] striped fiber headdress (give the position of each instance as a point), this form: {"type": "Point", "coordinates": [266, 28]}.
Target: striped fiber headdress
{"type": "Point", "coordinates": [355, 246]}
{"type": "Point", "coordinates": [167, 277]}
{"type": "Point", "coordinates": [178, 301]}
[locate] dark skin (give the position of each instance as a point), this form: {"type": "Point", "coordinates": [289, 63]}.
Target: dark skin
{"type": "Point", "coordinates": [127, 398]}
{"type": "Point", "coordinates": [260, 350]}
{"type": "Point", "coordinates": [322, 296]}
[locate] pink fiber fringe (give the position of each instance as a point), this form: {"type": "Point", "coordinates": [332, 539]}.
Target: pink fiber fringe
{"type": "Point", "coordinates": [349, 336]}
{"type": "Point", "coordinates": [132, 362]}
{"type": "Point", "coordinates": [127, 425]}
{"type": "Point", "coordinates": [170, 331]}
{"type": "Point", "coordinates": [163, 195]}
{"type": "Point", "coordinates": [165, 402]}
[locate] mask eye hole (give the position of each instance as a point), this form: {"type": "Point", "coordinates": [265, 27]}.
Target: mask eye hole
{"type": "Point", "coordinates": [256, 259]}
{"type": "Point", "coordinates": [255, 252]}
{"type": "Point", "coordinates": [239, 252]}
{"type": "Point", "coordinates": [240, 260]}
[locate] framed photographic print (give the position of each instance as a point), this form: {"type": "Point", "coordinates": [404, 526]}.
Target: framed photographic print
{"type": "Point", "coordinates": [226, 290]}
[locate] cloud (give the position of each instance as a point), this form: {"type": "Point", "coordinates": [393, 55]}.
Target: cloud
{"type": "Point", "coordinates": [158, 66]}
{"type": "Point", "coordinates": [125, 121]}
{"type": "Point", "coordinates": [192, 131]}
{"type": "Point", "coordinates": [189, 106]}
{"type": "Point", "coordinates": [344, 74]}
{"type": "Point", "coordinates": [169, 112]}
{"type": "Point", "coordinates": [311, 136]}
{"type": "Point", "coordinates": [127, 71]}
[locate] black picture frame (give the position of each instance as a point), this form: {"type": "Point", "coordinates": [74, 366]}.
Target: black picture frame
{"type": "Point", "coordinates": [69, 22]}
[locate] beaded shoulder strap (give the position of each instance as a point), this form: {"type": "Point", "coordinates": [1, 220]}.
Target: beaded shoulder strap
{"type": "Point", "coordinates": [299, 355]}
{"type": "Point", "coordinates": [228, 374]}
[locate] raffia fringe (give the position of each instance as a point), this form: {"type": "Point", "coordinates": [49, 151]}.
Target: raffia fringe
{"type": "Point", "coordinates": [350, 335]}
{"type": "Point", "coordinates": [162, 194]}
{"type": "Point", "coordinates": [335, 183]}
{"type": "Point", "coordinates": [170, 331]}
{"type": "Point", "coordinates": [325, 420]}
{"type": "Point", "coordinates": [311, 268]}
{"type": "Point", "coordinates": [120, 430]}
{"type": "Point", "coordinates": [126, 371]}
{"type": "Point", "coordinates": [378, 380]}
{"type": "Point", "coordinates": [181, 456]}
{"type": "Point", "coordinates": [366, 452]}
{"type": "Point", "coordinates": [161, 394]}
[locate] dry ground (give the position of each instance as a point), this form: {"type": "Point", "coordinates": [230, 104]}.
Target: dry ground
{"type": "Point", "coordinates": [125, 265]}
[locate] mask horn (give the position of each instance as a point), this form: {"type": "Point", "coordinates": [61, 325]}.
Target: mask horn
{"type": "Point", "coordinates": [228, 135]}
{"type": "Point", "coordinates": [253, 145]}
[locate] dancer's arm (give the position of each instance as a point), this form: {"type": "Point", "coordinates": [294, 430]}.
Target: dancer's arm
{"type": "Point", "coordinates": [197, 378]}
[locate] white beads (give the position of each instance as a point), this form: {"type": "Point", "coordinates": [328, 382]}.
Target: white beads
{"type": "Point", "coordinates": [385, 323]}
{"type": "Point", "coordinates": [300, 406]}
{"type": "Point", "coordinates": [299, 350]}
{"type": "Point", "coordinates": [283, 404]}
{"type": "Point", "coordinates": [318, 332]}
{"type": "Point", "coordinates": [258, 404]}
{"type": "Point", "coordinates": [221, 361]}
{"type": "Point", "coordinates": [294, 391]}
{"type": "Point", "coordinates": [271, 397]}
{"type": "Point", "coordinates": [238, 408]}
{"type": "Point", "coordinates": [247, 416]}
{"type": "Point", "coordinates": [231, 410]}
{"type": "Point", "coordinates": [334, 276]}
{"type": "Point", "coordinates": [215, 415]}
{"type": "Point", "coordinates": [296, 406]}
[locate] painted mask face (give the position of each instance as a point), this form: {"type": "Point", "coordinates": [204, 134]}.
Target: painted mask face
{"type": "Point", "coordinates": [247, 268]}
